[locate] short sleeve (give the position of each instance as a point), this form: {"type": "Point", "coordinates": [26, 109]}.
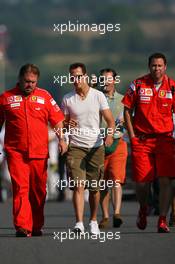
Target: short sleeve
{"type": "Point", "coordinates": [55, 113]}
{"type": "Point", "coordinates": [103, 102]}
{"type": "Point", "coordinates": [64, 107]}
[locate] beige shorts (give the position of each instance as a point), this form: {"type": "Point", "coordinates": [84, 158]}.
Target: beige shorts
{"type": "Point", "coordinates": [85, 167]}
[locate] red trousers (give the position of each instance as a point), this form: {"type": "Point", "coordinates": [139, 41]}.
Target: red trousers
{"type": "Point", "coordinates": [29, 178]}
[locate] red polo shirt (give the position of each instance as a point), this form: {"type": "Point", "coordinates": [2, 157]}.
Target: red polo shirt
{"type": "Point", "coordinates": [26, 120]}
{"type": "Point", "coordinates": [152, 108]}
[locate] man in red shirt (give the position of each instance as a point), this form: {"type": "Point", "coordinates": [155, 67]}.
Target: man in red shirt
{"type": "Point", "coordinates": [152, 100]}
{"type": "Point", "coordinates": [26, 111]}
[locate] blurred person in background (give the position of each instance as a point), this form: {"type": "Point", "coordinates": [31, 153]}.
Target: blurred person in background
{"type": "Point", "coordinates": [52, 191]}
{"type": "Point", "coordinates": [5, 181]}
{"type": "Point", "coordinates": [115, 155]}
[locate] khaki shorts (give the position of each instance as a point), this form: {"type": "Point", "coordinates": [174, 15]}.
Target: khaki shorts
{"type": "Point", "coordinates": [85, 167]}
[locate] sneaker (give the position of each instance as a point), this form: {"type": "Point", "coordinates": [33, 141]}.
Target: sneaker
{"type": "Point", "coordinates": [172, 220]}
{"type": "Point", "coordinates": [94, 229]}
{"type": "Point", "coordinates": [78, 228]}
{"type": "Point", "coordinates": [141, 218]}
{"type": "Point", "coordinates": [117, 220]}
{"type": "Point", "coordinates": [21, 232]}
{"type": "Point", "coordinates": [104, 223]}
{"type": "Point", "coordinates": [162, 225]}
{"type": "Point", "coordinates": [37, 232]}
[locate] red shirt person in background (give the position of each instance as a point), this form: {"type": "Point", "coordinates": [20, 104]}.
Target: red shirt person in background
{"type": "Point", "coordinates": [149, 104]}
{"type": "Point", "coordinates": [26, 111]}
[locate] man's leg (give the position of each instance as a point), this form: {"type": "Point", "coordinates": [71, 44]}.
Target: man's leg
{"type": "Point", "coordinates": [155, 187]}
{"type": "Point", "coordinates": [143, 165]}
{"type": "Point", "coordinates": [118, 175]}
{"type": "Point", "coordinates": [76, 168]}
{"type": "Point", "coordinates": [61, 171]}
{"type": "Point", "coordinates": [172, 214]}
{"type": "Point", "coordinates": [78, 202]}
{"type": "Point", "coordinates": [164, 203]}
{"type": "Point", "coordinates": [104, 201]}
{"type": "Point", "coordinates": [165, 159]}
{"type": "Point", "coordinates": [19, 171]}
{"type": "Point", "coordinates": [117, 198]}
{"type": "Point", "coordinates": [173, 205]}
{"type": "Point", "coordinates": [165, 195]}
{"type": "Point", "coordinates": [37, 195]}
{"type": "Point", "coordinates": [105, 198]}
{"type": "Point", "coordinates": [95, 173]}
{"type": "Point", "coordinates": [142, 193]}
{"type": "Point", "coordinates": [94, 199]}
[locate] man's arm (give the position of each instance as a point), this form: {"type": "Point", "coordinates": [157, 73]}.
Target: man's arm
{"type": "Point", "coordinates": [60, 134]}
{"type": "Point", "coordinates": [108, 117]}
{"type": "Point", "coordinates": [128, 121]}
{"type": "Point", "coordinates": [69, 122]}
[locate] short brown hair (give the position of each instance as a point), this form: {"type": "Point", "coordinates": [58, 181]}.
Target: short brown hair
{"type": "Point", "coordinates": [157, 56]}
{"type": "Point", "coordinates": [77, 65]}
{"type": "Point", "coordinates": [29, 68]}
{"type": "Point", "coordinates": [114, 74]}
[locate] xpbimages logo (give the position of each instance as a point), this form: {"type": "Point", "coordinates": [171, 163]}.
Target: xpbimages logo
{"type": "Point", "coordinates": [70, 235]}
{"type": "Point", "coordinates": [91, 80]}
{"type": "Point", "coordinates": [71, 184]}
{"type": "Point", "coordinates": [101, 28]}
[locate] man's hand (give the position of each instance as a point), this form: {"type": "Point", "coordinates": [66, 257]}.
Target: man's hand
{"type": "Point", "coordinates": [70, 123]}
{"type": "Point", "coordinates": [62, 146]}
{"type": "Point", "coordinates": [108, 140]}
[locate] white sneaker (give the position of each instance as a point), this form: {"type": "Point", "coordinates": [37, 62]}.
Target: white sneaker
{"type": "Point", "coordinates": [79, 227]}
{"type": "Point", "coordinates": [94, 229]}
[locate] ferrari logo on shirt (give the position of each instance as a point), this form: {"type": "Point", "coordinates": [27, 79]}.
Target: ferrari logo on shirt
{"type": "Point", "coordinates": [162, 93]}
{"type": "Point", "coordinates": [37, 99]}
{"type": "Point", "coordinates": [34, 98]}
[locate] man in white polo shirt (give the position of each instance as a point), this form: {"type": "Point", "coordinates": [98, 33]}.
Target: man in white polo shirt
{"type": "Point", "coordinates": [83, 109]}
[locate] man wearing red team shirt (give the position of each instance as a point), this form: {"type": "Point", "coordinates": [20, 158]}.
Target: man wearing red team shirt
{"type": "Point", "coordinates": [149, 104]}
{"type": "Point", "coordinates": [26, 111]}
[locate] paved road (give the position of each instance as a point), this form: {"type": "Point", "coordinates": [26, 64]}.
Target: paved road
{"type": "Point", "coordinates": [134, 246]}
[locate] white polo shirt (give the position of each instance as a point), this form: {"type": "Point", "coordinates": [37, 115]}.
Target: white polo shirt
{"type": "Point", "coordinates": [87, 114]}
